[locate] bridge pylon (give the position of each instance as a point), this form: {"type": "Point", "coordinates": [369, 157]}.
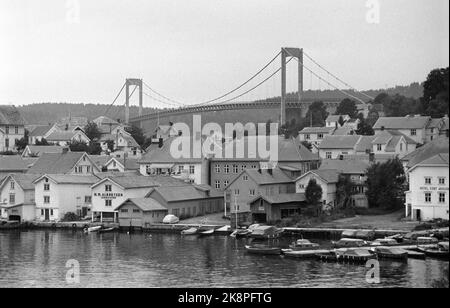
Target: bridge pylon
{"type": "Point", "coordinates": [296, 53]}
{"type": "Point", "coordinates": [132, 82]}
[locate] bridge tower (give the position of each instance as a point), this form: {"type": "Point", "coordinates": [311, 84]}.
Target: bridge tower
{"type": "Point", "coordinates": [132, 82]}
{"type": "Point", "coordinates": [296, 53]}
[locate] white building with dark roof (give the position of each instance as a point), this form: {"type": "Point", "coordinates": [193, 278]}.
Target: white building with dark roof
{"type": "Point", "coordinates": [333, 147]}
{"type": "Point", "coordinates": [315, 135]}
{"type": "Point", "coordinates": [76, 163]}
{"type": "Point", "coordinates": [38, 150]}
{"type": "Point", "coordinates": [12, 128]}
{"type": "Point", "coordinates": [333, 120]}
{"type": "Point", "coordinates": [326, 179]}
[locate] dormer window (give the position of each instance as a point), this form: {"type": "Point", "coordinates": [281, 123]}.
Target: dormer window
{"type": "Point", "coordinates": [12, 185]}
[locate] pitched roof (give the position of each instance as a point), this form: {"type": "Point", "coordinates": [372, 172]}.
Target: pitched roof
{"type": "Point", "coordinates": [345, 166]}
{"type": "Point", "coordinates": [328, 175]}
{"type": "Point", "coordinates": [40, 130]}
{"type": "Point", "coordinates": [408, 122]}
{"type": "Point", "coordinates": [439, 159]}
{"type": "Point", "coordinates": [163, 154]}
{"type": "Point", "coordinates": [56, 163]}
{"type": "Point", "coordinates": [281, 198]}
{"type": "Point", "coordinates": [144, 204]}
{"type": "Point", "coordinates": [317, 130]}
{"type": "Point", "coordinates": [339, 142]}
{"type": "Point", "coordinates": [63, 135]}
{"type": "Point", "coordinates": [430, 149]}
{"type": "Point", "coordinates": [24, 180]}
{"type": "Point", "coordinates": [10, 115]}
{"type": "Point", "coordinates": [343, 131]}
{"type": "Point", "coordinates": [263, 177]}
{"type": "Point", "coordinates": [128, 181]}
{"type": "Point", "coordinates": [12, 163]}
{"type": "Point", "coordinates": [40, 149]}
{"type": "Point", "coordinates": [365, 143]}
{"type": "Point", "coordinates": [70, 179]}
{"type": "Point", "coordinates": [335, 118]}
{"type": "Point", "coordinates": [182, 193]}
{"type": "Point", "coordinates": [436, 123]}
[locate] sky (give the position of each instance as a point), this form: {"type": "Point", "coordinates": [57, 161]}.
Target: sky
{"type": "Point", "coordinates": [82, 51]}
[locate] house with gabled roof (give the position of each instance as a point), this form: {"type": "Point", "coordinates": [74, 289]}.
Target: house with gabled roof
{"type": "Point", "coordinates": [12, 164]}
{"type": "Point", "coordinates": [393, 142]}
{"type": "Point", "coordinates": [76, 163]}
{"type": "Point", "coordinates": [333, 120]}
{"type": "Point", "coordinates": [38, 150]}
{"type": "Point", "coordinates": [333, 147]}
{"type": "Point", "coordinates": [64, 138]}
{"type": "Point", "coordinates": [38, 133]}
{"type": "Point", "coordinates": [315, 135]}
{"type": "Point", "coordinates": [326, 179]}
{"type": "Point", "coordinates": [17, 201]}
{"type": "Point", "coordinates": [12, 128]}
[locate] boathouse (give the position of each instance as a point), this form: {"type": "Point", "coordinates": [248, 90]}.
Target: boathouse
{"type": "Point", "coordinates": [140, 212]}
{"type": "Point", "coordinates": [269, 208]}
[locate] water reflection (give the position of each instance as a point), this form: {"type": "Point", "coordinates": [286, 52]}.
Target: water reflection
{"type": "Point", "coordinates": [38, 258]}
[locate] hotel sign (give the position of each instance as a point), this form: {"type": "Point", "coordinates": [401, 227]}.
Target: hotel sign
{"type": "Point", "coordinates": [108, 195]}
{"type": "Point", "coordinates": [433, 188]}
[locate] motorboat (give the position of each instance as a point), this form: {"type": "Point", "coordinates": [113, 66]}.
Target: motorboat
{"type": "Point", "coordinates": [349, 242]}
{"type": "Point", "coordinates": [384, 242]}
{"type": "Point", "coordinates": [106, 230]}
{"type": "Point", "coordinates": [440, 251]}
{"type": "Point", "coordinates": [393, 253]}
{"type": "Point", "coordinates": [240, 233]}
{"type": "Point", "coordinates": [262, 249]}
{"type": "Point", "coordinates": [190, 231]}
{"type": "Point", "coordinates": [265, 232]}
{"type": "Point", "coordinates": [170, 219]}
{"type": "Point", "coordinates": [92, 229]}
{"type": "Point", "coordinates": [206, 232]}
{"type": "Point", "coordinates": [303, 244]}
{"type": "Point", "coordinates": [224, 230]}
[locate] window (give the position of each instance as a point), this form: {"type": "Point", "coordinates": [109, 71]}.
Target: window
{"type": "Point", "coordinates": [46, 180]}
{"type": "Point", "coordinates": [88, 169]}
{"type": "Point", "coordinates": [441, 197]}
{"type": "Point", "coordinates": [301, 186]}
{"type": "Point", "coordinates": [191, 169]}
{"type": "Point", "coordinates": [307, 136]}
{"type": "Point", "coordinates": [12, 198]}
{"type": "Point", "coordinates": [441, 181]}
{"type": "Point", "coordinates": [180, 169]}
{"type": "Point", "coordinates": [46, 199]}
{"type": "Point", "coordinates": [226, 183]}
{"type": "Point", "coordinates": [379, 147]}
{"type": "Point", "coordinates": [254, 166]}
{"type": "Point", "coordinates": [16, 130]}
{"type": "Point", "coordinates": [87, 199]}
{"type": "Point", "coordinates": [235, 169]}
{"type": "Point", "coordinates": [108, 187]}
{"type": "Point", "coordinates": [42, 212]}
{"type": "Point", "coordinates": [217, 184]}
{"type": "Point", "coordinates": [413, 132]}
{"type": "Point", "coordinates": [236, 192]}
{"type": "Point", "coordinates": [245, 177]}
{"type": "Point", "coordinates": [108, 202]}
{"type": "Point", "coordinates": [427, 197]}
{"type": "Point", "coordinates": [46, 187]}
{"type": "Point", "coordinates": [252, 192]}
{"type": "Point", "coordinates": [217, 168]}
{"type": "Point", "coordinates": [401, 146]}
{"type": "Point", "coordinates": [427, 180]}
{"type": "Point", "coordinates": [51, 212]}
{"type": "Point", "coordinates": [12, 185]}
{"type": "Point", "coordinates": [7, 129]}
{"type": "Point", "coordinates": [226, 169]}
{"type": "Point", "coordinates": [7, 143]}
{"type": "Point", "coordinates": [320, 136]}
{"type": "Point", "coordinates": [243, 167]}
{"type": "Point", "coordinates": [136, 211]}
{"type": "Point", "coordinates": [328, 155]}
{"type": "Point", "coordinates": [124, 210]}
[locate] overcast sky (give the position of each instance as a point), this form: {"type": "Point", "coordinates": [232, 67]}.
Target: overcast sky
{"type": "Point", "coordinates": [198, 49]}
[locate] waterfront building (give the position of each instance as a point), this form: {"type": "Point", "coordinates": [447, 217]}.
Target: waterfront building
{"type": "Point", "coordinates": [356, 172]}
{"type": "Point", "coordinates": [12, 128]}
{"type": "Point", "coordinates": [77, 163]}
{"type": "Point", "coordinates": [110, 192]}
{"type": "Point", "coordinates": [140, 212]}
{"type": "Point", "coordinates": [293, 157]}
{"type": "Point", "coordinates": [428, 195]}
{"type": "Point", "coordinates": [64, 138]}
{"type": "Point", "coordinates": [254, 182]}
{"type": "Point", "coordinates": [271, 208]}
{"type": "Point", "coordinates": [12, 164]}
{"type": "Point", "coordinates": [38, 133]}
{"type": "Point", "coordinates": [333, 120]}
{"type": "Point", "coordinates": [335, 147]}
{"type": "Point", "coordinates": [326, 179]}
{"type": "Point", "coordinates": [17, 197]}
{"type": "Point", "coordinates": [160, 161]}
{"type": "Point", "coordinates": [38, 150]}
{"type": "Point", "coordinates": [315, 135]}
{"type": "Point", "coordinates": [421, 129]}
{"type": "Point", "coordinates": [59, 194]}
{"type": "Point", "coordinates": [188, 200]}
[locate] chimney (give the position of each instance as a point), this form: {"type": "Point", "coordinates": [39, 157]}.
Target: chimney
{"type": "Point", "coordinates": [382, 128]}
{"type": "Point", "coordinates": [270, 171]}
{"type": "Point", "coordinates": [160, 143]}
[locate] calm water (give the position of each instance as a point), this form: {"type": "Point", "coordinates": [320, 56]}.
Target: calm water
{"type": "Point", "coordinates": [38, 259]}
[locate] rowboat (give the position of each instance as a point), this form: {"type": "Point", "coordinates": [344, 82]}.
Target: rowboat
{"type": "Point", "coordinates": [263, 250]}
{"type": "Point", "coordinates": [441, 251]}
{"type": "Point", "coordinates": [303, 244]}
{"type": "Point", "coordinates": [190, 231]}
{"type": "Point", "coordinates": [105, 230]}
{"type": "Point", "coordinates": [92, 229]}
{"type": "Point", "coordinates": [206, 233]}
{"type": "Point", "coordinates": [239, 233]}
{"type": "Point", "coordinates": [391, 253]}
{"type": "Point", "coordinates": [349, 242]}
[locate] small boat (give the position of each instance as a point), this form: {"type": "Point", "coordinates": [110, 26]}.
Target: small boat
{"type": "Point", "coordinates": [349, 242]}
{"type": "Point", "coordinates": [354, 255]}
{"type": "Point", "coordinates": [239, 233]}
{"type": "Point", "coordinates": [265, 232]}
{"type": "Point", "coordinates": [392, 253]}
{"type": "Point", "coordinates": [384, 242]}
{"type": "Point", "coordinates": [170, 219]}
{"type": "Point", "coordinates": [426, 240]}
{"type": "Point", "coordinates": [190, 231]}
{"type": "Point", "coordinates": [206, 233]}
{"type": "Point", "coordinates": [303, 244]}
{"type": "Point", "coordinates": [92, 229]}
{"type": "Point", "coordinates": [440, 251]}
{"type": "Point", "coordinates": [263, 250]}
{"type": "Point", "coordinates": [224, 230]}
{"type": "Point", "coordinates": [106, 230]}
{"type": "Point", "coordinates": [302, 254]}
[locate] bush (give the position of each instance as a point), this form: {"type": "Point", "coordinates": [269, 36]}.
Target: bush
{"type": "Point", "coordinates": [70, 217]}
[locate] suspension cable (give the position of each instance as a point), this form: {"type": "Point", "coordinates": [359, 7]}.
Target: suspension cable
{"type": "Point", "coordinates": [164, 97]}
{"type": "Point", "coordinates": [115, 99]}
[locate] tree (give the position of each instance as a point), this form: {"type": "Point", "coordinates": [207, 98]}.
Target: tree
{"type": "Point", "coordinates": [317, 114]}
{"type": "Point", "coordinates": [77, 146]}
{"type": "Point", "coordinates": [385, 184]}
{"type": "Point", "coordinates": [341, 121]}
{"type": "Point", "coordinates": [94, 148]}
{"type": "Point", "coordinates": [313, 192]}
{"type": "Point", "coordinates": [137, 134]}
{"type": "Point", "coordinates": [364, 128]}
{"type": "Point", "coordinates": [435, 100]}
{"type": "Point", "coordinates": [344, 191]}
{"type": "Point", "coordinates": [23, 142]}
{"type": "Point", "coordinates": [347, 106]}
{"type": "Point", "coordinates": [43, 141]}
{"type": "Point", "coordinates": [110, 145]}
{"type": "Point", "coordinates": [92, 131]}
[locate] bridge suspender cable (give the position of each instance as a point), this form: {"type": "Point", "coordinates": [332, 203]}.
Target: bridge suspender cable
{"type": "Point", "coordinates": [337, 78]}
{"type": "Point", "coordinates": [115, 99]}
{"type": "Point", "coordinates": [164, 97]}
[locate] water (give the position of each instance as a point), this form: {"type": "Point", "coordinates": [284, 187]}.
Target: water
{"type": "Point", "coordinates": [38, 259]}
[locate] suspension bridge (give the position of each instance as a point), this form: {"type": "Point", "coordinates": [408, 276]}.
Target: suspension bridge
{"type": "Point", "coordinates": [274, 93]}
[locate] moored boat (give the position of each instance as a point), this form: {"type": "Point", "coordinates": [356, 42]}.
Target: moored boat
{"type": "Point", "coordinates": [92, 229]}
{"type": "Point", "coordinates": [206, 232]}
{"type": "Point", "coordinates": [262, 249]}
{"type": "Point", "coordinates": [303, 244]}
{"type": "Point", "coordinates": [440, 251]}
{"type": "Point", "coordinates": [349, 243]}
{"type": "Point", "coordinates": [190, 231]}
{"type": "Point", "coordinates": [354, 255]}
{"type": "Point", "coordinates": [106, 230]}
{"type": "Point", "coordinates": [392, 253]}
{"type": "Point", "coordinates": [384, 242]}
{"type": "Point", "coordinates": [265, 232]}
{"type": "Point", "coordinates": [240, 233]}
